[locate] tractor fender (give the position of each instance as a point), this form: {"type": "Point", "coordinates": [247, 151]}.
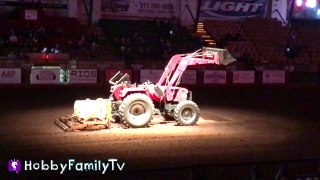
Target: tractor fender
{"type": "Point", "coordinates": [130, 90]}
{"type": "Point", "coordinates": [148, 90]}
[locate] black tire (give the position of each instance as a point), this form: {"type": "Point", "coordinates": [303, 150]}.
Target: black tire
{"type": "Point", "coordinates": [116, 118]}
{"type": "Point", "coordinates": [187, 113]}
{"type": "Point", "coordinates": [168, 117]}
{"type": "Point", "coordinates": [136, 110]}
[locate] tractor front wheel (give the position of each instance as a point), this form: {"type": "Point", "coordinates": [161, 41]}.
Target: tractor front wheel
{"type": "Point", "coordinates": [187, 113]}
{"type": "Point", "coordinates": [136, 110]}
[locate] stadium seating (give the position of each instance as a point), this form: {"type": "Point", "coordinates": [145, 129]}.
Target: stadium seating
{"type": "Point", "coordinates": [58, 30]}
{"type": "Point", "coordinates": [148, 41]}
{"type": "Point", "coordinates": [266, 40]}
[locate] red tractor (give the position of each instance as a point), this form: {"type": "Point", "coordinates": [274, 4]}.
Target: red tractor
{"type": "Point", "coordinates": [134, 105]}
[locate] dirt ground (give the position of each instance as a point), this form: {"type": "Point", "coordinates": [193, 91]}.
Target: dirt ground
{"type": "Point", "coordinates": [239, 126]}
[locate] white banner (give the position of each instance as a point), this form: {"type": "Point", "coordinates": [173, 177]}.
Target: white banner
{"type": "Point", "coordinates": [30, 14]}
{"type": "Point", "coordinates": [189, 77]}
{"type": "Point", "coordinates": [215, 76]}
{"type": "Point", "coordinates": [82, 76]}
{"type": "Point", "coordinates": [45, 76]}
{"type": "Point", "coordinates": [273, 76]}
{"type": "Point", "coordinates": [243, 77]}
{"type": "Point", "coordinates": [138, 8]}
{"type": "Point", "coordinates": [152, 75]}
{"type": "Point", "coordinates": [10, 76]}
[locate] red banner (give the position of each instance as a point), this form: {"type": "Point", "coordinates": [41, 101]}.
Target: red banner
{"type": "Point", "coordinates": [273, 76]}
{"type": "Point", "coordinates": [246, 77]}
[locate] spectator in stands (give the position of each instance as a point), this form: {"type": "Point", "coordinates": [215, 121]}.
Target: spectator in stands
{"type": "Point", "coordinates": [58, 31]}
{"type": "Point", "coordinates": [123, 52]}
{"type": "Point", "coordinates": [168, 46]}
{"type": "Point", "coordinates": [82, 43]}
{"type": "Point", "coordinates": [41, 32]}
{"type": "Point", "coordinates": [2, 13]}
{"type": "Point", "coordinates": [247, 59]}
{"type": "Point", "coordinates": [56, 49]}
{"type": "Point", "coordinates": [237, 36]}
{"type": "Point", "coordinates": [1, 46]}
{"type": "Point", "coordinates": [70, 45]}
{"type": "Point", "coordinates": [13, 38]}
{"type": "Point", "coordinates": [94, 37]}
{"type": "Point", "coordinates": [148, 52]}
{"type": "Point", "coordinates": [71, 49]}
{"type": "Point", "coordinates": [236, 54]}
{"type": "Point", "coordinates": [318, 78]}
{"type": "Point", "coordinates": [245, 56]}
{"type": "Point", "coordinates": [93, 51]}
{"type": "Point", "coordinates": [222, 42]}
{"type": "Point", "coordinates": [140, 52]}
{"type": "Point", "coordinates": [12, 55]}
{"type": "Point", "coordinates": [35, 40]}
{"type": "Point", "coordinates": [292, 48]}
{"type": "Point", "coordinates": [27, 35]}
{"type": "Point", "coordinates": [228, 37]}
{"type": "Point", "coordinates": [22, 55]}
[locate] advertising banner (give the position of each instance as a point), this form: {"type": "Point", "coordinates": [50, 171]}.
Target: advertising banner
{"type": "Point", "coordinates": [138, 8]}
{"type": "Point", "coordinates": [215, 77]}
{"type": "Point", "coordinates": [111, 72]}
{"type": "Point", "coordinates": [189, 77]}
{"type": "Point", "coordinates": [45, 76]}
{"type": "Point", "coordinates": [78, 76]}
{"type": "Point", "coordinates": [243, 77]}
{"type": "Point", "coordinates": [30, 14]}
{"type": "Point", "coordinates": [231, 9]}
{"type": "Point", "coordinates": [53, 4]}
{"type": "Point", "coordinates": [152, 75]}
{"type": "Point", "coordinates": [10, 76]}
{"type": "Point", "coordinates": [273, 76]}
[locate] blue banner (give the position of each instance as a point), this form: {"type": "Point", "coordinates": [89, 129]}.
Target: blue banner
{"type": "Point", "coordinates": [231, 9]}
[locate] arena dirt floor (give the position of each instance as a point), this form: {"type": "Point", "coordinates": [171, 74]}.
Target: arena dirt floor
{"type": "Point", "coordinates": [241, 127]}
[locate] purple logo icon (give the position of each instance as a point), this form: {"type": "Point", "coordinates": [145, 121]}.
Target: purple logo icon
{"type": "Point", "coordinates": [14, 165]}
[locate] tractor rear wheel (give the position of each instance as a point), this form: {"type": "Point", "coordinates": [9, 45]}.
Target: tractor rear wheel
{"type": "Point", "coordinates": [136, 110]}
{"type": "Point", "coordinates": [187, 113]}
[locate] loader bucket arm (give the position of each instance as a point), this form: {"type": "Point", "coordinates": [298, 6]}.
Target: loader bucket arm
{"type": "Point", "coordinates": [206, 56]}
{"type": "Point", "coordinates": [174, 61]}
{"type": "Point", "coordinates": [169, 68]}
